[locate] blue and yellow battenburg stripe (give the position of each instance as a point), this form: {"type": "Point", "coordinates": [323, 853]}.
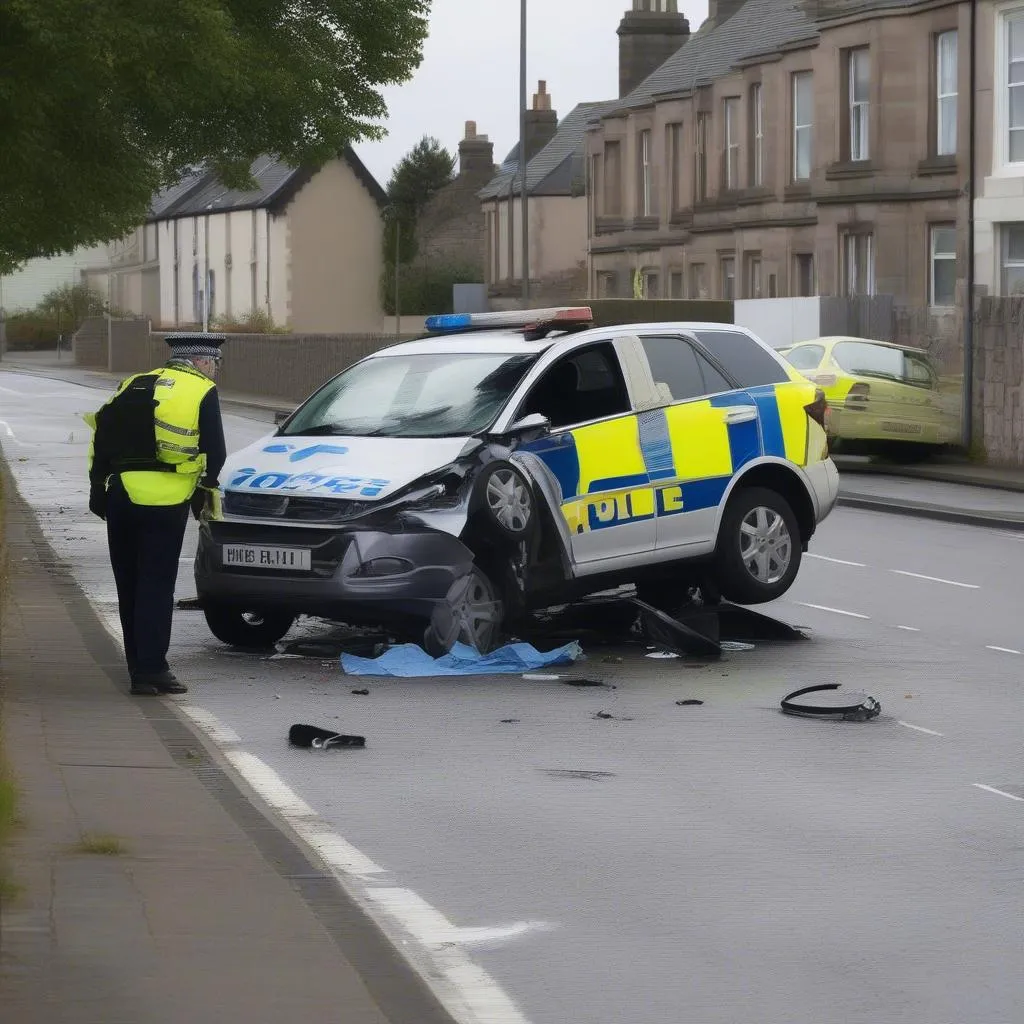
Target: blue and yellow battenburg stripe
{"type": "Point", "coordinates": [670, 460]}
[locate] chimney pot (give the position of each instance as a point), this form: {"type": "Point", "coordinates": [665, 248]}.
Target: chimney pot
{"type": "Point", "coordinates": [471, 129]}
{"type": "Point", "coordinates": [541, 99]}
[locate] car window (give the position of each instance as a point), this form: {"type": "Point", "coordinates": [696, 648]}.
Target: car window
{"type": "Point", "coordinates": [687, 373]}
{"type": "Point", "coordinates": [425, 395]}
{"type": "Point", "coordinates": [918, 371]}
{"type": "Point", "coordinates": [866, 360]}
{"type": "Point", "coordinates": [581, 386]}
{"type": "Point", "coordinates": [806, 357]}
{"type": "Point", "coordinates": [742, 358]}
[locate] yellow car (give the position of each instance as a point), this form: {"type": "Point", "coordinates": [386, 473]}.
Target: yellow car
{"type": "Point", "coordinates": [880, 395]}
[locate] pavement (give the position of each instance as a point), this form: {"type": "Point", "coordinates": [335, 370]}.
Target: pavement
{"type": "Point", "coordinates": [200, 908]}
{"type": "Point", "coordinates": [543, 853]}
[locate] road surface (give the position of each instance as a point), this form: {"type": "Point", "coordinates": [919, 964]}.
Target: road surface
{"type": "Point", "coordinates": [713, 863]}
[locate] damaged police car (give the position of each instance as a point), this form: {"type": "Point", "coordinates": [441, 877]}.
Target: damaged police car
{"type": "Point", "coordinates": [507, 462]}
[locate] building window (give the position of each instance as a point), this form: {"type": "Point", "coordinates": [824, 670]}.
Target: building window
{"type": "Point", "coordinates": [646, 191]}
{"type": "Point", "coordinates": [728, 271]}
{"type": "Point", "coordinates": [605, 284]}
{"type": "Point", "coordinates": [945, 93]}
{"type": "Point", "coordinates": [942, 287]}
{"type": "Point", "coordinates": [803, 125]}
{"type": "Point", "coordinates": [773, 286]}
{"type": "Point", "coordinates": [731, 155]}
{"type": "Point", "coordinates": [698, 281]}
{"type": "Point", "coordinates": [651, 284]}
{"type": "Point", "coordinates": [596, 184]}
{"type": "Point", "coordinates": [612, 179]}
{"type": "Point", "coordinates": [803, 274]}
{"type": "Point", "coordinates": [1012, 73]}
{"type": "Point", "coordinates": [676, 285]}
{"type": "Point", "coordinates": [858, 259]}
{"type": "Point", "coordinates": [675, 157]}
{"type": "Point", "coordinates": [1012, 241]}
{"type": "Point", "coordinates": [700, 152]}
{"type": "Point", "coordinates": [752, 275]}
{"type": "Point", "coordinates": [858, 80]}
{"type": "Point", "coordinates": [756, 135]}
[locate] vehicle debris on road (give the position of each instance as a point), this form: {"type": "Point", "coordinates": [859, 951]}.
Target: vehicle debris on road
{"type": "Point", "coordinates": [409, 660]}
{"type": "Point", "coordinates": [830, 700]}
{"type": "Point", "coordinates": [314, 738]}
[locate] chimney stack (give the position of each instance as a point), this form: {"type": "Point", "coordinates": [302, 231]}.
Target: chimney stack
{"type": "Point", "coordinates": [476, 153]}
{"type": "Point", "coordinates": [541, 122]}
{"type": "Point", "coordinates": [648, 35]}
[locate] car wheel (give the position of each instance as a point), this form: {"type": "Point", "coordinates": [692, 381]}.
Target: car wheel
{"type": "Point", "coordinates": [472, 613]}
{"type": "Point", "coordinates": [252, 630]}
{"type": "Point", "coordinates": [506, 501]}
{"type": "Point", "coordinates": [759, 547]}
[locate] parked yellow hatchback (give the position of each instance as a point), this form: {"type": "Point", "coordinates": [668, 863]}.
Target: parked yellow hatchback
{"type": "Point", "coordinates": [880, 395]}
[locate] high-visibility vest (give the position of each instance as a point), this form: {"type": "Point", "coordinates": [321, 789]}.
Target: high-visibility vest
{"type": "Point", "coordinates": [179, 392]}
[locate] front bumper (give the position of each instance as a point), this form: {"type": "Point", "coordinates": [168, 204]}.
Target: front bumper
{"type": "Point", "coordinates": [356, 574]}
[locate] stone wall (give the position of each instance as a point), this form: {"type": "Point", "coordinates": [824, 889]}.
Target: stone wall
{"type": "Point", "coordinates": [999, 379]}
{"type": "Point", "coordinates": [89, 343]}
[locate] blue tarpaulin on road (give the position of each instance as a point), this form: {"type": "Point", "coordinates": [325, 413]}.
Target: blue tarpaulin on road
{"type": "Point", "coordinates": [408, 661]}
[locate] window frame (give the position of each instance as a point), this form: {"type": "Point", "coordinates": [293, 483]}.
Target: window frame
{"type": "Point", "coordinates": [848, 238]}
{"type": "Point", "coordinates": [723, 260]}
{"type": "Point", "coordinates": [1004, 262]}
{"type": "Point", "coordinates": [934, 257]}
{"type": "Point", "coordinates": [1001, 144]}
{"type": "Point", "coordinates": [612, 157]}
{"type": "Point", "coordinates": [756, 135]}
{"type": "Point", "coordinates": [797, 292]}
{"type": "Point", "coordinates": [939, 97]}
{"type": "Point", "coordinates": [645, 166]}
{"type": "Point", "coordinates": [858, 111]}
{"type": "Point", "coordinates": [674, 145]}
{"type": "Point", "coordinates": [701, 125]}
{"type": "Point", "coordinates": [700, 356]}
{"type": "Point", "coordinates": [796, 128]}
{"type": "Point", "coordinates": [752, 261]}
{"type": "Point", "coordinates": [731, 147]}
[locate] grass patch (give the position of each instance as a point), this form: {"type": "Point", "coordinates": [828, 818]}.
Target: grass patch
{"type": "Point", "coordinates": [101, 846]}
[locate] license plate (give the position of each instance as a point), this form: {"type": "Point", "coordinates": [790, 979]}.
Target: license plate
{"type": "Point", "coordinates": [250, 556]}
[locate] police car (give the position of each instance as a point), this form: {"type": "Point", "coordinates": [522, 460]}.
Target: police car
{"type": "Point", "coordinates": [513, 461]}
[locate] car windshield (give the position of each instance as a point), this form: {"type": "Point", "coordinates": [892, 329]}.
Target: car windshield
{"type": "Point", "coordinates": [427, 395]}
{"type": "Point", "coordinates": [866, 360]}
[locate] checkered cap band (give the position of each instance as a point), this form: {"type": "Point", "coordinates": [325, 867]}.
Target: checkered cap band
{"type": "Point", "coordinates": [195, 346]}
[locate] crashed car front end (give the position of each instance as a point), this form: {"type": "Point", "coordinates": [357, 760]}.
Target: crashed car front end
{"type": "Point", "coordinates": [342, 547]}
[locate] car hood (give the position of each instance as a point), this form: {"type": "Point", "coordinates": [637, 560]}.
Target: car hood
{"type": "Point", "coordinates": [367, 468]}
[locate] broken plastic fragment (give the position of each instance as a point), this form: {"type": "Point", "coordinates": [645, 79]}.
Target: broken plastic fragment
{"type": "Point", "coordinates": [687, 703]}
{"type": "Point", "coordinates": [361, 693]}
{"type": "Point", "coordinates": [827, 700]}
{"type": "Point", "coordinates": [315, 738]}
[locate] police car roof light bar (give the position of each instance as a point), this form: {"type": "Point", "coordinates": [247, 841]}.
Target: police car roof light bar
{"type": "Point", "coordinates": [519, 319]}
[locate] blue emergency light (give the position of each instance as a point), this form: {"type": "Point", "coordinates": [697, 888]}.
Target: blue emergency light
{"type": "Point", "coordinates": [448, 323]}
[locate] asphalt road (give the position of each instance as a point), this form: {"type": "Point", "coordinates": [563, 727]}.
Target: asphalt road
{"type": "Point", "coordinates": [713, 863]}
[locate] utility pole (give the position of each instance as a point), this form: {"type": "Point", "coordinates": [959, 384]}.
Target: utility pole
{"type": "Point", "coordinates": [525, 241]}
{"type": "Point", "coordinates": [398, 264]}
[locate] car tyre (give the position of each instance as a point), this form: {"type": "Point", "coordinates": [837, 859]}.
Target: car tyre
{"type": "Point", "coordinates": [759, 546]}
{"type": "Point", "coordinates": [255, 631]}
{"type": "Point", "coordinates": [506, 502]}
{"type": "Point", "coordinates": [472, 613]}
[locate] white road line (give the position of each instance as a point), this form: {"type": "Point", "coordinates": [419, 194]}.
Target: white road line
{"type": "Point", "coordinates": [211, 725]}
{"type": "Point", "coordinates": [7, 428]}
{"type": "Point", "coordinates": [919, 728]}
{"type": "Point", "coordinates": [935, 579]}
{"type": "Point", "coordinates": [909, 629]}
{"type": "Point", "coordinates": [998, 792]}
{"type": "Point", "coordinates": [418, 931]}
{"type": "Point", "coordinates": [1001, 650]}
{"type": "Point", "coordinates": [835, 561]}
{"type": "Point", "coordinates": [835, 611]}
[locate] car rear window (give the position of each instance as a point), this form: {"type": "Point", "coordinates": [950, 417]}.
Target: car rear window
{"type": "Point", "coordinates": [806, 357]}
{"type": "Point", "coordinates": [866, 360]}
{"type": "Point", "coordinates": [743, 359]}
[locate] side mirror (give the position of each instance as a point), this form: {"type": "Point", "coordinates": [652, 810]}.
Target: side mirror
{"type": "Point", "coordinates": [535, 423]}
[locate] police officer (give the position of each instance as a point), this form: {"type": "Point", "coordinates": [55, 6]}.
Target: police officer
{"type": "Point", "coordinates": [157, 449]}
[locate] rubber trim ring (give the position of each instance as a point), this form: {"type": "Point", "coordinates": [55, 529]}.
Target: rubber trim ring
{"type": "Point", "coordinates": [868, 708]}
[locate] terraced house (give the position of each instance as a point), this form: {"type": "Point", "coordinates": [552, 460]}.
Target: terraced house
{"type": "Point", "coordinates": [789, 148]}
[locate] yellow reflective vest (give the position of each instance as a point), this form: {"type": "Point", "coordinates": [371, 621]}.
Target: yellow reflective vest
{"type": "Point", "coordinates": [179, 392]}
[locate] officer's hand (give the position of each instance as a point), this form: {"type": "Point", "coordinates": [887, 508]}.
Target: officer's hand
{"type": "Point", "coordinates": [98, 502]}
{"type": "Point", "coordinates": [198, 504]}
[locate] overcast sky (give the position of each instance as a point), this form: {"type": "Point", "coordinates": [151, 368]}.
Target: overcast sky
{"type": "Point", "coordinates": [470, 70]}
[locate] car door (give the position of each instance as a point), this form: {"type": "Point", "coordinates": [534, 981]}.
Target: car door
{"type": "Point", "coordinates": [693, 444]}
{"type": "Point", "coordinates": [593, 451]}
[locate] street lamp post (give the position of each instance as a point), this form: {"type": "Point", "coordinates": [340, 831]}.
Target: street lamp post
{"type": "Point", "coordinates": [525, 241]}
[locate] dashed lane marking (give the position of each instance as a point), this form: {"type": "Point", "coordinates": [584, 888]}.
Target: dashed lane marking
{"type": "Point", "coordinates": [998, 792]}
{"type": "Point", "coordinates": [919, 728]}
{"type": "Point", "coordinates": [834, 611]}
{"type": "Point", "coordinates": [835, 561]}
{"type": "Point", "coordinates": [909, 629]}
{"type": "Point", "coordinates": [935, 579]}
{"type": "Point", "coordinates": [1001, 650]}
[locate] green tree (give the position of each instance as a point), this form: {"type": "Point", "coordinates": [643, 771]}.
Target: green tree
{"type": "Point", "coordinates": [70, 304]}
{"type": "Point", "coordinates": [102, 104]}
{"type": "Point", "coordinates": [417, 177]}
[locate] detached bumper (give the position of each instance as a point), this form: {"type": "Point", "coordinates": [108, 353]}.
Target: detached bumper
{"type": "Point", "coordinates": [353, 574]}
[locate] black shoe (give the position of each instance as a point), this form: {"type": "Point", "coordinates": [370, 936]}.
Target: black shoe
{"type": "Point", "coordinates": [158, 682]}
{"type": "Point", "coordinates": [141, 688]}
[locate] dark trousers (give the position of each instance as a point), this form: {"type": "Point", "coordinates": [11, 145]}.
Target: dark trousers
{"type": "Point", "coordinates": [145, 547]}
